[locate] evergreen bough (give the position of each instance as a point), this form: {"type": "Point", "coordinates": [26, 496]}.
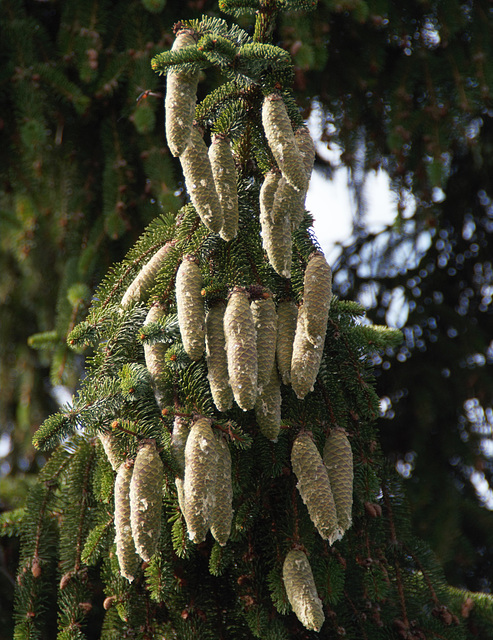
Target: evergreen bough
{"type": "Point", "coordinates": [378, 581]}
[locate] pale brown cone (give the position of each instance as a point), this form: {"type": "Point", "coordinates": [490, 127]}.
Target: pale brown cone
{"type": "Point", "coordinates": [217, 363]}
{"type": "Point", "coordinates": [146, 489]}
{"type": "Point", "coordinates": [317, 294]}
{"type": "Point", "coordinates": [338, 458]}
{"type": "Point", "coordinates": [241, 349]}
{"type": "Point", "coordinates": [287, 314]}
{"type": "Point", "coordinates": [181, 96]}
{"type": "Point", "coordinates": [199, 181]}
{"type": "Point", "coordinates": [301, 590]}
{"type": "Point", "coordinates": [128, 560]}
{"type": "Point", "coordinates": [190, 307]}
{"type": "Point", "coordinates": [314, 487]}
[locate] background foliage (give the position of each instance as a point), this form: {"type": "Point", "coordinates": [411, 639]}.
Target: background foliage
{"type": "Point", "coordinates": [402, 86]}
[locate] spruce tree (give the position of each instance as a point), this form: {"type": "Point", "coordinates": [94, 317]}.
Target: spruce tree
{"type": "Point", "coordinates": [198, 486]}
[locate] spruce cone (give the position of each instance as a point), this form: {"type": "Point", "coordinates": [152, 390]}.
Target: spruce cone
{"type": "Point", "coordinates": [217, 363]}
{"type": "Point", "coordinates": [281, 140]}
{"type": "Point", "coordinates": [146, 488]}
{"type": "Point", "coordinates": [317, 294]}
{"type": "Point", "coordinates": [306, 359]}
{"type": "Point", "coordinates": [180, 494]}
{"type": "Point", "coordinates": [306, 147]}
{"type": "Point", "coordinates": [241, 349]}
{"type": "Point", "coordinates": [224, 172]}
{"type": "Point", "coordinates": [287, 314]}
{"type": "Point", "coordinates": [190, 306]}
{"type": "Point", "coordinates": [268, 192]}
{"type": "Point", "coordinates": [314, 487]}
{"type": "Point", "coordinates": [338, 458]}
{"type": "Point", "coordinates": [276, 241]}
{"type": "Point", "coordinates": [179, 437]}
{"type": "Point", "coordinates": [288, 202]}
{"type": "Point", "coordinates": [181, 96]}
{"type": "Point", "coordinates": [128, 560]}
{"type": "Point", "coordinates": [201, 461]}
{"type": "Point", "coordinates": [146, 276]}
{"type": "Point", "coordinates": [111, 449]}
{"type": "Point", "coordinates": [268, 407]}
{"type": "Point", "coordinates": [265, 319]}
{"type": "Point", "coordinates": [154, 354]}
{"type": "Point", "coordinates": [221, 494]}
{"type": "Point", "coordinates": [301, 590]}
{"type": "Point", "coordinates": [199, 181]}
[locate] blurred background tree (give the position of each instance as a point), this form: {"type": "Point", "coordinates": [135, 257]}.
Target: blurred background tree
{"type": "Point", "coordinates": [405, 87]}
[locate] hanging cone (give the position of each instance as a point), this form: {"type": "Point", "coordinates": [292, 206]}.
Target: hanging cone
{"type": "Point", "coordinates": [111, 449]}
{"type": "Point", "coordinates": [265, 319]}
{"type": "Point", "coordinates": [277, 242]}
{"type": "Point", "coordinates": [314, 487]}
{"type": "Point", "coordinates": [287, 314]}
{"type": "Point", "coordinates": [215, 353]}
{"type": "Point", "coordinates": [338, 458]}
{"type": "Point", "coordinates": [225, 176]}
{"type": "Point", "coordinates": [146, 489]}
{"type": "Point", "coordinates": [241, 349]}
{"type": "Point", "coordinates": [280, 137]}
{"type": "Point", "coordinates": [199, 181]}
{"type": "Point", "coordinates": [268, 407]}
{"type": "Point", "coordinates": [146, 276]}
{"type": "Point", "coordinates": [179, 437]}
{"type": "Point", "coordinates": [221, 494]}
{"type": "Point", "coordinates": [128, 560]}
{"type": "Point", "coordinates": [190, 307]}
{"type": "Point", "coordinates": [201, 459]}
{"type": "Point", "coordinates": [268, 192]}
{"type": "Point", "coordinates": [301, 590]}
{"type": "Point", "coordinates": [306, 360]}
{"type": "Point", "coordinates": [181, 96]}
{"type": "Point", "coordinates": [154, 355]}
{"type": "Point", "coordinates": [317, 294]}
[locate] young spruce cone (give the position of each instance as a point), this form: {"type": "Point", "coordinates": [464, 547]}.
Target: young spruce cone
{"type": "Point", "coordinates": [241, 349]}
{"type": "Point", "coordinates": [201, 462]}
{"type": "Point", "coordinates": [265, 319]}
{"type": "Point", "coordinates": [128, 560]}
{"type": "Point", "coordinates": [199, 181]}
{"type": "Point", "coordinates": [190, 307]}
{"type": "Point", "coordinates": [111, 449]}
{"type": "Point", "coordinates": [181, 95]}
{"type": "Point", "coordinates": [221, 494]}
{"type": "Point", "coordinates": [317, 294]}
{"type": "Point", "coordinates": [146, 489]}
{"type": "Point", "coordinates": [215, 353]}
{"type": "Point", "coordinates": [276, 234]}
{"type": "Point", "coordinates": [287, 314]}
{"type": "Point", "coordinates": [306, 359]}
{"type": "Point", "coordinates": [314, 487]}
{"type": "Point", "coordinates": [224, 172]}
{"type": "Point", "coordinates": [268, 407]}
{"type": "Point", "coordinates": [338, 458]}
{"type": "Point", "coordinates": [146, 276]}
{"type": "Point", "coordinates": [268, 193]}
{"type": "Point", "coordinates": [281, 140]}
{"type": "Point", "coordinates": [276, 241]}
{"type": "Point", "coordinates": [301, 590]}
{"type": "Point", "coordinates": [179, 437]}
{"type": "Point", "coordinates": [154, 354]}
